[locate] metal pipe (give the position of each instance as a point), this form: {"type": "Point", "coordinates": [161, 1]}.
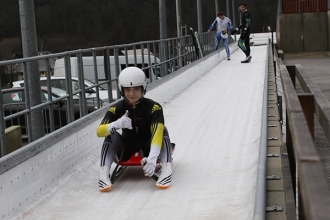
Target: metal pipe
{"type": "Point", "coordinates": [68, 86]}
{"type": "Point", "coordinates": [2, 128]}
{"type": "Point", "coordinates": [178, 17]}
{"type": "Point", "coordinates": [227, 9]}
{"type": "Point", "coordinates": [199, 16]}
{"type": "Point", "coordinates": [27, 104]}
{"type": "Point", "coordinates": [98, 105]}
{"type": "Point", "coordinates": [234, 15]}
{"type": "Point", "coordinates": [179, 30]}
{"type": "Point", "coordinates": [216, 7]}
{"type": "Point", "coordinates": [50, 97]}
{"type": "Point", "coordinates": [81, 80]}
{"type": "Point", "coordinates": [240, 17]}
{"type": "Point", "coordinates": [163, 34]}
{"type": "Point", "coordinates": [162, 19]}
{"type": "Point", "coordinates": [29, 46]}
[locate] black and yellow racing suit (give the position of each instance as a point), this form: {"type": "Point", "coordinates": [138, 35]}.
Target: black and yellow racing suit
{"type": "Point", "coordinates": [148, 131]}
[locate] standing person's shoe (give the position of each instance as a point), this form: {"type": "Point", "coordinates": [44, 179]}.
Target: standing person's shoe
{"type": "Point", "coordinates": [228, 58]}
{"type": "Point", "coordinates": [165, 178]}
{"type": "Point", "coordinates": [104, 181]}
{"type": "Point", "coordinates": [247, 59]}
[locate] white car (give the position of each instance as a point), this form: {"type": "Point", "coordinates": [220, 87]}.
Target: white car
{"type": "Point", "coordinates": [60, 82]}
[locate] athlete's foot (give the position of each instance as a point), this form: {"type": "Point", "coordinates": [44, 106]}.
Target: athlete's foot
{"type": "Point", "coordinates": [247, 60]}
{"type": "Point", "coordinates": [165, 178]}
{"type": "Point", "coordinates": [104, 181]}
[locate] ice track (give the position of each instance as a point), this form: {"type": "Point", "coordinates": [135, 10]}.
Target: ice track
{"type": "Point", "coordinates": [215, 123]}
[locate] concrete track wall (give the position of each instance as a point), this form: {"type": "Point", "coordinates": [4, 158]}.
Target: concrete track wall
{"type": "Point", "coordinates": [290, 33]}
{"type": "Point", "coordinates": [304, 32]}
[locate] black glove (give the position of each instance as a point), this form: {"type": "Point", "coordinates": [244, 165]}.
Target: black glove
{"type": "Point", "coordinates": [244, 30]}
{"type": "Point", "coordinates": [233, 31]}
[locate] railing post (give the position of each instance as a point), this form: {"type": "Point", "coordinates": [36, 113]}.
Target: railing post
{"type": "Point", "coordinates": [107, 72]}
{"type": "Point", "coordinates": [68, 85]}
{"type": "Point", "coordinates": [81, 79]}
{"type": "Point", "coordinates": [30, 49]}
{"type": "Point", "coordinates": [98, 104]}
{"type": "Point", "coordinates": [2, 128]}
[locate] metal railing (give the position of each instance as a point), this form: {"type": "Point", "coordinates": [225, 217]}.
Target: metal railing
{"type": "Point", "coordinates": [159, 58]}
{"type": "Point", "coordinates": [312, 197]}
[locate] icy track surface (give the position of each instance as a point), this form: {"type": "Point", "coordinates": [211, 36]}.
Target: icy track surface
{"type": "Point", "coordinates": [215, 124]}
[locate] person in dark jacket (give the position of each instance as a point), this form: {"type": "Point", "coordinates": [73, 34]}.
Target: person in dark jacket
{"type": "Point", "coordinates": [244, 40]}
{"type": "Point", "coordinates": [141, 121]}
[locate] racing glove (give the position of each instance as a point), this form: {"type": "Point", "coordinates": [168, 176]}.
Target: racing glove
{"type": "Point", "coordinates": [123, 122]}
{"type": "Point", "coordinates": [233, 31]}
{"type": "Point", "coordinates": [149, 165]}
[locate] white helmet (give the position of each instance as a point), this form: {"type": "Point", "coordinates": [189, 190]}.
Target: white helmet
{"type": "Point", "coordinates": [132, 77]}
{"type": "Point", "coordinates": [224, 34]}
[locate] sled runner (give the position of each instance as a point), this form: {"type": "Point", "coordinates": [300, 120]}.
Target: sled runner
{"type": "Point", "coordinates": [134, 160]}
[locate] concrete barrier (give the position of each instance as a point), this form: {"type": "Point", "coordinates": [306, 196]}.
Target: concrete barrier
{"type": "Point", "coordinates": [280, 54]}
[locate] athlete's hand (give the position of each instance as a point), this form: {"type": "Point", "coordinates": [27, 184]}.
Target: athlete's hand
{"type": "Point", "coordinates": [149, 166]}
{"type": "Point", "coordinates": [123, 122]}
{"type": "Point", "coordinates": [233, 31]}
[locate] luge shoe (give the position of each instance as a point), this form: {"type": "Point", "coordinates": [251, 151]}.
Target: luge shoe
{"type": "Point", "coordinates": [165, 178]}
{"type": "Point", "coordinates": [247, 60]}
{"type": "Point", "coordinates": [104, 181]}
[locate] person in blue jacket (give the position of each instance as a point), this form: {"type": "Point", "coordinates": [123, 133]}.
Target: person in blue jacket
{"type": "Point", "coordinates": [223, 25]}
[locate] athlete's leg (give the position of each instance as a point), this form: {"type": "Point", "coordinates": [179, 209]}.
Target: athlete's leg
{"type": "Point", "coordinates": [110, 147]}
{"type": "Point", "coordinates": [217, 40]}
{"type": "Point", "coordinates": [247, 45]}
{"type": "Point", "coordinates": [225, 44]}
{"type": "Point", "coordinates": [241, 44]}
{"type": "Point", "coordinates": [166, 150]}
{"type": "Point", "coordinates": [165, 178]}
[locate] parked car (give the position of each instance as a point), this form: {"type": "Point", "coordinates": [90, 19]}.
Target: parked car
{"type": "Point", "coordinates": [14, 101]}
{"type": "Point", "coordinates": [60, 82]}
{"type": "Point", "coordinates": [151, 68]}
